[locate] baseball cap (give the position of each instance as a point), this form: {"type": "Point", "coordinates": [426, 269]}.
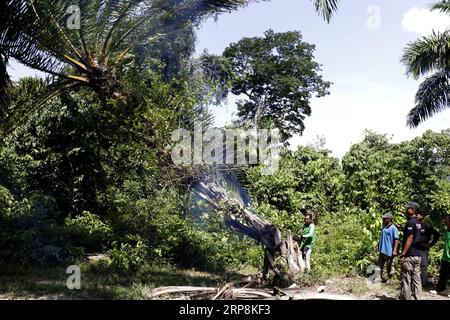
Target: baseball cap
{"type": "Point", "coordinates": [413, 205]}
{"type": "Point", "coordinates": [388, 215]}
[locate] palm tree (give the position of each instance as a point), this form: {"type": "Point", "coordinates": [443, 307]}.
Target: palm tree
{"type": "Point", "coordinates": [430, 54]}
{"type": "Point", "coordinates": [92, 55]}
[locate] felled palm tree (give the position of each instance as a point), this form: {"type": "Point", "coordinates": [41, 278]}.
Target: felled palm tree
{"type": "Point", "coordinates": [36, 34]}
{"type": "Point", "coordinates": [430, 54]}
{"type": "Point", "coordinates": [280, 255]}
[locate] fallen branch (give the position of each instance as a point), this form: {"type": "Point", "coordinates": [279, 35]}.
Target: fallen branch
{"type": "Point", "coordinates": [255, 292]}
{"type": "Point", "coordinates": [228, 292]}
{"type": "Point", "coordinates": [166, 290]}
{"type": "Point", "coordinates": [278, 291]}
{"type": "Point", "coordinates": [221, 291]}
{"type": "Point", "coordinates": [225, 291]}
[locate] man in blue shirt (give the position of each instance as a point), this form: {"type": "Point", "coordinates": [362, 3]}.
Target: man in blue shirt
{"type": "Point", "coordinates": [388, 247]}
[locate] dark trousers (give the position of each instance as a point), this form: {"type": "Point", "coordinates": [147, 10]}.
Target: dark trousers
{"type": "Point", "coordinates": [443, 275]}
{"type": "Point", "coordinates": [424, 267]}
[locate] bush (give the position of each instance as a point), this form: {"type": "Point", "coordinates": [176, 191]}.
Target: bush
{"type": "Point", "coordinates": [88, 231]}
{"type": "Point", "coordinates": [29, 231]}
{"type": "Point", "coordinates": [127, 257]}
{"type": "Point", "coordinates": [342, 246]}
{"type": "Point", "coordinates": [6, 202]}
{"type": "Point", "coordinates": [213, 251]}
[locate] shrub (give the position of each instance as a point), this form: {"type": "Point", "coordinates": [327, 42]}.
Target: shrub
{"type": "Point", "coordinates": [342, 246]}
{"type": "Point", "coordinates": [127, 257]}
{"type": "Point", "coordinates": [88, 231]}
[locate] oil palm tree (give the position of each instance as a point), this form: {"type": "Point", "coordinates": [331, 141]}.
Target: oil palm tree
{"type": "Point", "coordinates": [430, 55]}
{"type": "Point", "coordinates": [92, 55]}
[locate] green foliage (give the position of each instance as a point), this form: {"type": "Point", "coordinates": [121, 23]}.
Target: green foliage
{"type": "Point", "coordinates": [383, 176]}
{"type": "Point", "coordinates": [277, 75]}
{"type": "Point", "coordinates": [376, 176]}
{"type": "Point", "coordinates": [91, 171]}
{"type": "Point", "coordinates": [29, 231]}
{"type": "Point", "coordinates": [96, 168]}
{"type": "Point", "coordinates": [306, 179]}
{"type": "Point", "coordinates": [88, 231]}
{"type": "Point", "coordinates": [6, 202]}
{"type": "Point", "coordinates": [126, 257]}
{"type": "Point", "coordinates": [343, 245]}
{"type": "Point", "coordinates": [216, 250]}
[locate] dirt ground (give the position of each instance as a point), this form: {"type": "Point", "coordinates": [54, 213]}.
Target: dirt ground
{"type": "Point", "coordinates": [338, 288]}
{"type": "Point", "coordinates": [359, 288]}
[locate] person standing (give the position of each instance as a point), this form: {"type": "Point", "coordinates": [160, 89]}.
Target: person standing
{"type": "Point", "coordinates": [307, 242]}
{"type": "Point", "coordinates": [411, 286]}
{"type": "Point", "coordinates": [388, 247]}
{"type": "Point", "coordinates": [430, 237]}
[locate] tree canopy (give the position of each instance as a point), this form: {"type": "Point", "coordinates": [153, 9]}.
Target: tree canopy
{"type": "Point", "coordinates": [277, 76]}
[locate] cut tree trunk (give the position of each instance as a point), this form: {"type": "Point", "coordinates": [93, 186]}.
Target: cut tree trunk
{"type": "Point", "coordinates": [280, 256]}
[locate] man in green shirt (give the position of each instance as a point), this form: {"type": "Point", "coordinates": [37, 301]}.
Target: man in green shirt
{"type": "Point", "coordinates": [308, 239]}
{"type": "Point", "coordinates": [445, 262]}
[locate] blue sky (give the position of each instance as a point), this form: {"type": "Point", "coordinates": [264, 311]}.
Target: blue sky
{"type": "Point", "coordinates": [359, 53]}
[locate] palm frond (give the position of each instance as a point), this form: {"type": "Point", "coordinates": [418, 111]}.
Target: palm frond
{"type": "Point", "coordinates": [29, 95]}
{"type": "Point", "coordinates": [432, 97]}
{"type": "Point", "coordinates": [4, 84]}
{"type": "Point", "coordinates": [427, 54]}
{"type": "Point", "coordinates": [236, 215]}
{"type": "Point", "coordinates": [124, 11]}
{"type": "Point", "coordinates": [326, 8]}
{"type": "Point", "coordinates": [17, 28]}
{"type": "Point", "coordinates": [443, 6]}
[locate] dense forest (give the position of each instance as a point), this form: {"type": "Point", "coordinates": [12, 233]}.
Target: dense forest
{"type": "Point", "coordinates": [85, 155]}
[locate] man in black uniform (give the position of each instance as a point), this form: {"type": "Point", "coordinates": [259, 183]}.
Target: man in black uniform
{"type": "Point", "coordinates": [411, 286]}
{"type": "Point", "coordinates": [430, 237]}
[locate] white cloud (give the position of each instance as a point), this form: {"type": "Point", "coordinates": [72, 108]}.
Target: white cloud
{"type": "Point", "coordinates": [424, 21]}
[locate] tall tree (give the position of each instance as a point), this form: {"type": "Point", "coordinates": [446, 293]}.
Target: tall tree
{"type": "Point", "coordinates": [430, 55]}
{"type": "Point", "coordinates": [277, 75]}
